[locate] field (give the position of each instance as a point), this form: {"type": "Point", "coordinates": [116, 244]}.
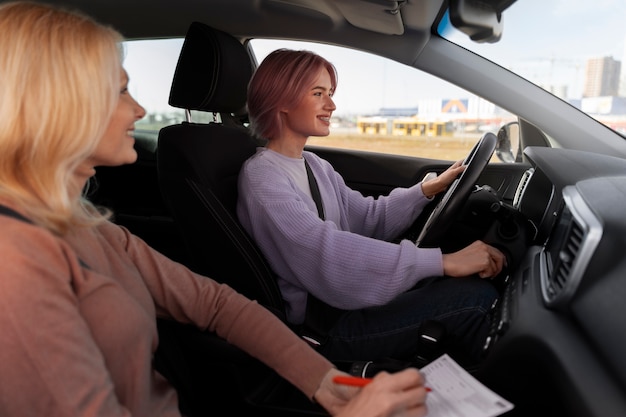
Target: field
{"type": "Point", "coordinates": [449, 148]}
{"type": "Point", "coordinates": [437, 147]}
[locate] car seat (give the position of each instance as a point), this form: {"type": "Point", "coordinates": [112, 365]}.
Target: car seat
{"type": "Point", "coordinates": [198, 164]}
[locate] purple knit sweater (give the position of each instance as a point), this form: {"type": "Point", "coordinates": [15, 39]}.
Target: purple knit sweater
{"type": "Point", "coordinates": [346, 260]}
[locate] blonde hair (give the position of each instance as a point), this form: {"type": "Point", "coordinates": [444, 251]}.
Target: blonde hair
{"type": "Point", "coordinates": [59, 85]}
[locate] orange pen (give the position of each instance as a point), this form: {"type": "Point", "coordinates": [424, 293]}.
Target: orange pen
{"type": "Point", "coordinates": [356, 381]}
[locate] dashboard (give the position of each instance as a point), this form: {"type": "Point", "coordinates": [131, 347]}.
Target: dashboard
{"type": "Point", "coordinates": [559, 339]}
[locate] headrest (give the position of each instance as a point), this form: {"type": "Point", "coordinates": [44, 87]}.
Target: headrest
{"type": "Point", "coordinates": [212, 73]}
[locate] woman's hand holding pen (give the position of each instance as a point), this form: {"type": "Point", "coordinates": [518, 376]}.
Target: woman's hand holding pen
{"type": "Point", "coordinates": [385, 395]}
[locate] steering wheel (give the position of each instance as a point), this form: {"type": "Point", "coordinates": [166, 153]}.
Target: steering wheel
{"type": "Point", "coordinates": [458, 192]}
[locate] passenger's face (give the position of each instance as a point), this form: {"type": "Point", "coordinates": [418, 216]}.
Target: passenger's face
{"type": "Point", "coordinates": [311, 117]}
{"type": "Point", "coordinates": [116, 146]}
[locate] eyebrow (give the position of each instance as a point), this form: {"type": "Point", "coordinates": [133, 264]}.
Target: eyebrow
{"type": "Point", "coordinates": [319, 87]}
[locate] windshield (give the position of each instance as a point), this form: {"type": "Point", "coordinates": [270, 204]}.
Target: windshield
{"type": "Point", "coordinates": [574, 49]}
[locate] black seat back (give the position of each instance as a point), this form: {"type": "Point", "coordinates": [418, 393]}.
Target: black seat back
{"type": "Point", "coordinates": [198, 164]}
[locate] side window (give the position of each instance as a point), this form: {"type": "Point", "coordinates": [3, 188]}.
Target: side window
{"type": "Point", "coordinates": [385, 106]}
{"type": "Point", "coordinates": [150, 65]}
{"type": "Point", "coordinates": [389, 108]}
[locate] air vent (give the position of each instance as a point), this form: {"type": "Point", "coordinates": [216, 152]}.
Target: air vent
{"type": "Point", "coordinates": [566, 256]}
{"type": "Point", "coordinates": [521, 187]}
{"type": "Point", "coordinates": [569, 249]}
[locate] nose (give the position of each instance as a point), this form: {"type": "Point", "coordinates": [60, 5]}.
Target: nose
{"type": "Point", "coordinates": [330, 104]}
{"type": "Point", "coordinates": [140, 112]}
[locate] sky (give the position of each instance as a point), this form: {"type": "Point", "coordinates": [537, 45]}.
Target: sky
{"type": "Point", "coordinates": [547, 40]}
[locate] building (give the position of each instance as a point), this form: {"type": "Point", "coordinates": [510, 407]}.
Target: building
{"type": "Point", "coordinates": [605, 105]}
{"type": "Point", "coordinates": [436, 117]}
{"type": "Point", "coordinates": [602, 76]}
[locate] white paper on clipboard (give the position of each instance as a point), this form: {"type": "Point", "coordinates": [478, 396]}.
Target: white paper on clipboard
{"type": "Point", "coordinates": [456, 393]}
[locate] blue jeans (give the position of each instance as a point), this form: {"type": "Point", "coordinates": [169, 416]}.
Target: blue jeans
{"type": "Point", "coordinates": [462, 305]}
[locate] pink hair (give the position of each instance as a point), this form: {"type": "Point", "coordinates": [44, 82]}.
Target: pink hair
{"type": "Point", "coordinates": [279, 82]}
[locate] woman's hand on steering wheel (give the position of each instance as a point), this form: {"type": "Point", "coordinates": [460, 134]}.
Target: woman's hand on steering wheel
{"type": "Point", "coordinates": [457, 193]}
{"type": "Point", "coordinates": [440, 183]}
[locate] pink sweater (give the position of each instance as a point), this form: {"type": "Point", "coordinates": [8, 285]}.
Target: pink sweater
{"type": "Point", "coordinates": [79, 341]}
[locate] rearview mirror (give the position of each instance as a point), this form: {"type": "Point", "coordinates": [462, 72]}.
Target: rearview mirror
{"type": "Point", "coordinates": [481, 20]}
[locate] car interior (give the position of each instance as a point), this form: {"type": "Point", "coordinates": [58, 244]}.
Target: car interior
{"type": "Point", "coordinates": [556, 347]}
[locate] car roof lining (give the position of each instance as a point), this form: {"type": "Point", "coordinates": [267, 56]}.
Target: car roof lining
{"type": "Point", "coordinates": [313, 20]}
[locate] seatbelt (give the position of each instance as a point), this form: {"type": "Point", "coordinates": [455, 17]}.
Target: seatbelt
{"type": "Point", "coordinates": [12, 213]}
{"type": "Point", "coordinates": [315, 191]}
{"type": "Point", "coordinates": [4, 210]}
{"type": "Point", "coordinates": [319, 316]}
